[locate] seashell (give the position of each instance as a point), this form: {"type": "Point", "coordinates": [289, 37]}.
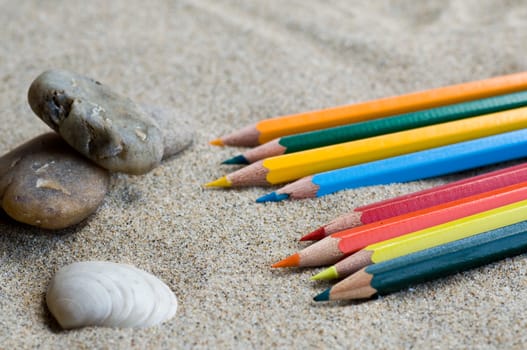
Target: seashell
{"type": "Point", "coordinates": [98, 293]}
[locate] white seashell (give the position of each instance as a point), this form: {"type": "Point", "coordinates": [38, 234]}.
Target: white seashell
{"type": "Point", "coordinates": [97, 293]}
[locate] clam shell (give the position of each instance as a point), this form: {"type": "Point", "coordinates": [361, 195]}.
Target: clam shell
{"type": "Point", "coordinates": [98, 293]}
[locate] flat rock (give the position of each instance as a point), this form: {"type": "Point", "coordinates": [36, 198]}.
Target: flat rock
{"type": "Point", "coordinates": [104, 126]}
{"type": "Point", "coordinates": [46, 183]}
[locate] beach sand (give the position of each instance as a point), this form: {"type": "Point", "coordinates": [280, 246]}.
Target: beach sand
{"type": "Point", "coordinates": [224, 65]}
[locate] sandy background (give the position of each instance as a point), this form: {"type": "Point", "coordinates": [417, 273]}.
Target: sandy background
{"type": "Point", "coordinates": [226, 64]}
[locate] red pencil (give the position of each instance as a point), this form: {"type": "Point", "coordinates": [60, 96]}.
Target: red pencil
{"type": "Point", "coordinates": [422, 199]}
{"type": "Point", "coordinates": [341, 244]}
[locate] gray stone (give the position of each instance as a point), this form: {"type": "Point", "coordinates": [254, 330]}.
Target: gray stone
{"type": "Point", "coordinates": [46, 183]}
{"type": "Point", "coordinates": [106, 127]}
{"type": "Point", "coordinates": [177, 131]}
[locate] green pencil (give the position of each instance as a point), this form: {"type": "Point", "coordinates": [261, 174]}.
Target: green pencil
{"type": "Point", "coordinates": [397, 274]}
{"type": "Point", "coordinates": [355, 131]}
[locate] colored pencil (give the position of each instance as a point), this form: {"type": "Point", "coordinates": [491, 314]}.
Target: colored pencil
{"type": "Point", "coordinates": [269, 129]}
{"type": "Point", "coordinates": [422, 199]}
{"type": "Point", "coordinates": [341, 244]}
{"type": "Point", "coordinates": [356, 131]}
{"type": "Point", "coordinates": [397, 274]}
{"type": "Point", "coordinates": [293, 166]}
{"type": "Point", "coordinates": [407, 167]}
{"type": "Point", "coordinates": [428, 238]}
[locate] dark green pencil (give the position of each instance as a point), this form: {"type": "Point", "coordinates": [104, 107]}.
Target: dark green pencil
{"type": "Point", "coordinates": [397, 274]}
{"type": "Point", "coordinates": [355, 131]}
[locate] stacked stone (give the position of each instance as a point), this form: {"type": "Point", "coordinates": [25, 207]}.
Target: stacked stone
{"type": "Point", "coordinates": [58, 179]}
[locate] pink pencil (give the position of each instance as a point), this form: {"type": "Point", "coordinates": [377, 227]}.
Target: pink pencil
{"type": "Point", "coordinates": [422, 199]}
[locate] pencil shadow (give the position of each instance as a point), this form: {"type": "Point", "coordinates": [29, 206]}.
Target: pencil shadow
{"type": "Point", "coordinates": [323, 283]}
{"type": "Point", "coordinates": [343, 303]}
{"type": "Point", "coordinates": [285, 272]}
{"type": "Point", "coordinates": [336, 304]}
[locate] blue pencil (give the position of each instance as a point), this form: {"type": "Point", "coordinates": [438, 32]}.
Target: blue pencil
{"type": "Point", "coordinates": [408, 167]}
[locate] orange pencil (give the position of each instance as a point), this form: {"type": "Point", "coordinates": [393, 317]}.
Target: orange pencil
{"type": "Point", "coordinates": [269, 129]}
{"type": "Point", "coordinates": [341, 244]}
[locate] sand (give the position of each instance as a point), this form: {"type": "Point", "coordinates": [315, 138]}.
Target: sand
{"type": "Point", "coordinates": [225, 64]}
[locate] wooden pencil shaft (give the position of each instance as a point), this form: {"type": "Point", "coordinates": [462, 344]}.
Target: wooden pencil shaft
{"type": "Point", "coordinates": [353, 263]}
{"type": "Point", "coordinates": [356, 286]}
{"type": "Point", "coordinates": [296, 165]}
{"type": "Point", "coordinates": [355, 131]}
{"type": "Point", "coordinates": [344, 222]}
{"type": "Point", "coordinates": [268, 149]}
{"type": "Point", "coordinates": [399, 273]}
{"type": "Point", "coordinates": [324, 252]}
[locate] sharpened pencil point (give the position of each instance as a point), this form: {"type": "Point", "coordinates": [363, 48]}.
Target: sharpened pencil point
{"type": "Point", "coordinates": [217, 142]}
{"type": "Point", "coordinates": [221, 182]}
{"type": "Point", "coordinates": [328, 274]}
{"type": "Point", "coordinates": [316, 235]}
{"type": "Point", "coordinates": [272, 197]}
{"type": "Point", "coordinates": [324, 296]}
{"type": "Point", "coordinates": [236, 160]}
{"type": "Point", "coordinates": [291, 261]}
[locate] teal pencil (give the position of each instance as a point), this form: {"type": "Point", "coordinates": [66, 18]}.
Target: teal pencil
{"type": "Point", "coordinates": [399, 273]}
{"type": "Point", "coordinates": [356, 131]}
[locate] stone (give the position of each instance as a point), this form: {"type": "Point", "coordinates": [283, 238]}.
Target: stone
{"type": "Point", "coordinates": [110, 129]}
{"type": "Point", "coordinates": [46, 183]}
{"type": "Point", "coordinates": [177, 131]}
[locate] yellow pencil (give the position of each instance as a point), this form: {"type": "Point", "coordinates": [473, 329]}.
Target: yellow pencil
{"type": "Point", "coordinates": [293, 166]}
{"type": "Point", "coordinates": [435, 236]}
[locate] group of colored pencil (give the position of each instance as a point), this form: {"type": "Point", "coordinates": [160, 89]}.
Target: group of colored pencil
{"type": "Point", "coordinates": [473, 220]}
{"type": "Point", "coordinates": [386, 246]}
{"type": "Point", "coordinates": [395, 139]}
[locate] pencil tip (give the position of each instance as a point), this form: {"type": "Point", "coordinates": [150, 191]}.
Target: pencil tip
{"type": "Point", "coordinates": [216, 142]}
{"type": "Point", "coordinates": [221, 182]}
{"type": "Point", "coordinates": [324, 296]}
{"type": "Point", "coordinates": [236, 160]}
{"type": "Point", "coordinates": [328, 274]}
{"type": "Point", "coordinates": [291, 261]}
{"type": "Point", "coordinates": [272, 197]}
{"type": "Point", "coordinates": [316, 235]}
